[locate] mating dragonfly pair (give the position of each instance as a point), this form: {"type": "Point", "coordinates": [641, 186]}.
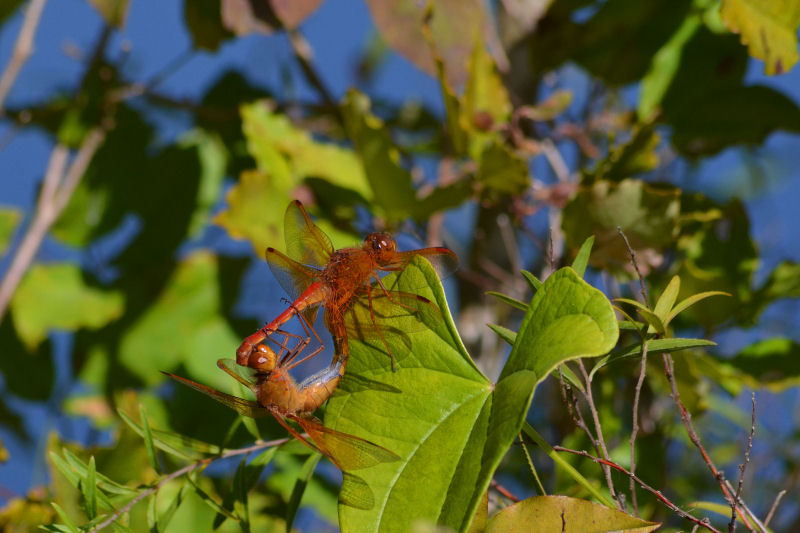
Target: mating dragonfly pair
{"type": "Point", "coordinates": [347, 283]}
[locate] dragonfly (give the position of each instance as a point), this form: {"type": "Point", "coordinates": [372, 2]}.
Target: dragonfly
{"type": "Point", "coordinates": [279, 395]}
{"type": "Point", "coordinates": [347, 283]}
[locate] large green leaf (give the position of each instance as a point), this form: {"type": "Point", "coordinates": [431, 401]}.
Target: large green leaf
{"type": "Point", "coordinates": [56, 297]}
{"type": "Point", "coordinates": [447, 422]}
{"type": "Point", "coordinates": [768, 28]}
{"type": "Point", "coordinates": [565, 514]}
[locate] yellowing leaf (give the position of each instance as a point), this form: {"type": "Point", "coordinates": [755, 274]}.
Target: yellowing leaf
{"type": "Point", "coordinates": [56, 297]}
{"type": "Point", "coordinates": [768, 28]}
{"type": "Point", "coordinates": [9, 218]}
{"type": "Point", "coordinates": [570, 515]}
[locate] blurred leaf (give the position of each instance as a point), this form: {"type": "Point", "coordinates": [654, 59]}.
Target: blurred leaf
{"type": "Point", "coordinates": [148, 439]}
{"type": "Point", "coordinates": [768, 28]}
{"type": "Point", "coordinates": [616, 43]}
{"type": "Point", "coordinates": [772, 363]}
{"type": "Point", "coordinates": [708, 106]}
{"type": "Point", "coordinates": [299, 488]}
{"type": "Point", "coordinates": [633, 157]}
{"type": "Point", "coordinates": [8, 8]}
{"type": "Point", "coordinates": [248, 16]}
{"type": "Point", "coordinates": [513, 302]}
{"type": "Point", "coordinates": [213, 160]}
{"type": "Point", "coordinates": [204, 21]}
{"type": "Point", "coordinates": [115, 12]}
{"type": "Point", "coordinates": [89, 488]}
{"type": "Point", "coordinates": [103, 482]}
{"type": "Point", "coordinates": [647, 214]}
{"type": "Point", "coordinates": [20, 515]}
{"type": "Point", "coordinates": [70, 525]}
{"type": "Point", "coordinates": [502, 172]}
{"type": "Point", "coordinates": [467, 427]}
{"type": "Point", "coordinates": [719, 256]}
{"type": "Point", "coordinates": [550, 108]}
{"type": "Point", "coordinates": [9, 218]}
{"type": "Point", "coordinates": [71, 304]}
{"type": "Point", "coordinates": [783, 282]}
{"type": "Point", "coordinates": [184, 325]}
{"type": "Point", "coordinates": [569, 515]}
{"type": "Point", "coordinates": [455, 26]}
{"type": "Point", "coordinates": [654, 346]}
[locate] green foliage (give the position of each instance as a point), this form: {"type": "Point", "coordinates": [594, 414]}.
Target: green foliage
{"type": "Point", "coordinates": [138, 274]}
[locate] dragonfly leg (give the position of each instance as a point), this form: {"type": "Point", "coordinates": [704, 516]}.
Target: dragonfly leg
{"type": "Point", "coordinates": [309, 330]}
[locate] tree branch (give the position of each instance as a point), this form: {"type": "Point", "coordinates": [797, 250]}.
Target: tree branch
{"type": "Point", "coordinates": [23, 48]}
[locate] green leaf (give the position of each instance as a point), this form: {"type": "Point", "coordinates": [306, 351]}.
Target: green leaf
{"type": "Point", "coordinates": [570, 515]}
{"type": "Point", "coordinates": [582, 257]}
{"type": "Point", "coordinates": [71, 304]}
{"type": "Point", "coordinates": [457, 428]}
{"type": "Point", "coordinates": [208, 500]}
{"type": "Point", "coordinates": [532, 280]}
{"type": "Point", "coordinates": [157, 443]}
{"type": "Point", "coordinates": [513, 302]}
{"type": "Point", "coordinates": [148, 439]}
{"type": "Point", "coordinates": [772, 363]}
{"type": "Point", "coordinates": [655, 322]}
{"type": "Point", "coordinates": [204, 22]}
{"type": "Point", "coordinates": [183, 325]}
{"type": "Point", "coordinates": [504, 333]}
{"type": "Point", "coordinates": [299, 488]}
{"type": "Point", "coordinates": [9, 218]}
{"type": "Point", "coordinates": [654, 346]}
{"type": "Point", "coordinates": [103, 482]}
{"type": "Point", "coordinates": [667, 299]}
{"type": "Point", "coordinates": [166, 517]}
{"type": "Point", "coordinates": [65, 518]}
{"type": "Point", "coordinates": [637, 155]}
{"type": "Point", "coordinates": [768, 28]}
{"type": "Point", "coordinates": [691, 300]}
{"type": "Point", "coordinates": [501, 171]}
{"type": "Point", "coordinates": [549, 109]}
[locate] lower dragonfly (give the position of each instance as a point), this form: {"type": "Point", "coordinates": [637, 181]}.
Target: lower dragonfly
{"type": "Point", "coordinates": [279, 395]}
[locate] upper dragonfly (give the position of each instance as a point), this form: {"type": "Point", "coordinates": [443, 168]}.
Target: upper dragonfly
{"type": "Point", "coordinates": [347, 284]}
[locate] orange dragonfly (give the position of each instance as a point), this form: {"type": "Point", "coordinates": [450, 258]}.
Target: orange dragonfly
{"type": "Point", "coordinates": [347, 284]}
{"type": "Point", "coordinates": [279, 395]}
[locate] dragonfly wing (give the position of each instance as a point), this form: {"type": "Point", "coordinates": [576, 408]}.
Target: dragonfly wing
{"type": "Point", "coordinates": [443, 260]}
{"type": "Point", "coordinates": [305, 242]}
{"type": "Point", "coordinates": [294, 277]}
{"type": "Point", "coordinates": [240, 405]}
{"type": "Point", "coordinates": [375, 313]}
{"type": "Point", "coordinates": [346, 451]}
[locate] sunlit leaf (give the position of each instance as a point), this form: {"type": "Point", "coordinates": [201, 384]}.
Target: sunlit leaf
{"type": "Point", "coordinates": [569, 515]}
{"type": "Point", "coordinates": [768, 28]}
{"type": "Point", "coordinates": [71, 303]}
{"type": "Point", "coordinates": [532, 280]}
{"type": "Point", "coordinates": [582, 257]}
{"type": "Point", "coordinates": [654, 346]}
{"type": "Point", "coordinates": [667, 299]}
{"type": "Point", "coordinates": [513, 302]}
{"type": "Point", "coordinates": [504, 333]}
{"type": "Point", "coordinates": [467, 427]}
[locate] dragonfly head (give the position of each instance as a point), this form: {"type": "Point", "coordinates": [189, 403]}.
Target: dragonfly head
{"type": "Point", "coordinates": [263, 358]}
{"type": "Point", "coordinates": [381, 246]}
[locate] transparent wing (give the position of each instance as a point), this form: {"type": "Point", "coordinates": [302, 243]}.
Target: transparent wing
{"type": "Point", "coordinates": [375, 313]}
{"type": "Point", "coordinates": [346, 451]}
{"type": "Point", "coordinates": [305, 242]}
{"type": "Point", "coordinates": [294, 277]}
{"type": "Point", "coordinates": [443, 260]}
{"type": "Point", "coordinates": [243, 374]}
{"type": "Point", "coordinates": [240, 405]}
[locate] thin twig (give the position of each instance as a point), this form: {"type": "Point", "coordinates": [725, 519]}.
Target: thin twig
{"type": "Point", "coordinates": [743, 466]}
{"type": "Point", "coordinates": [53, 198]}
{"type": "Point", "coordinates": [23, 48]}
{"type": "Point", "coordinates": [178, 473]}
{"type": "Point", "coordinates": [528, 458]}
{"type": "Point", "coordinates": [504, 491]}
{"type": "Point", "coordinates": [599, 432]}
{"type": "Point", "coordinates": [666, 501]}
{"type": "Point", "coordinates": [642, 288]}
{"type": "Point", "coordinates": [303, 54]}
{"type": "Point", "coordinates": [774, 507]}
{"type": "Point", "coordinates": [635, 424]}
{"type": "Point", "coordinates": [686, 417]}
